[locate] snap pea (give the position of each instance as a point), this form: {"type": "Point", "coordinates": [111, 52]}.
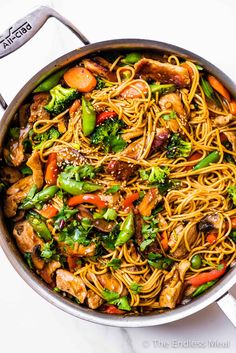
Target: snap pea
{"type": "Point", "coordinates": [74, 187]}
{"type": "Point", "coordinates": [88, 117]}
{"type": "Point", "coordinates": [39, 226]}
{"type": "Point", "coordinates": [203, 288]}
{"type": "Point", "coordinates": [50, 82]}
{"type": "Point", "coordinates": [209, 92]}
{"type": "Point", "coordinates": [131, 58]}
{"type": "Point", "coordinates": [42, 196]}
{"type": "Point", "coordinates": [196, 261]}
{"type": "Point", "coordinates": [167, 88]}
{"type": "Point", "coordinates": [213, 157]}
{"type": "Point", "coordinates": [127, 230]}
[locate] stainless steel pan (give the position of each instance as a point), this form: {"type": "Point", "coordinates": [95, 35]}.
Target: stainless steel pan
{"type": "Point", "coordinates": [11, 40]}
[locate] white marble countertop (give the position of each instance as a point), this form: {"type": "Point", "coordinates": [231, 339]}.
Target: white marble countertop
{"type": "Point", "coordinates": [28, 323]}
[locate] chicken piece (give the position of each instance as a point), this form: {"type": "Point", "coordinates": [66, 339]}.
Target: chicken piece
{"type": "Point", "coordinates": [149, 202]}
{"type": "Point", "coordinates": [100, 224]}
{"type": "Point", "coordinates": [48, 271]}
{"type": "Point", "coordinates": [14, 152]}
{"type": "Point", "coordinates": [78, 249]}
{"type": "Point", "coordinates": [222, 120]}
{"type": "Point", "coordinates": [162, 72]}
{"type": "Point", "coordinates": [180, 231]}
{"type": "Point", "coordinates": [172, 101]}
{"type": "Point", "coordinates": [25, 237]}
{"type": "Point", "coordinates": [161, 137]}
{"type": "Point", "coordinates": [69, 156]}
{"type": "Point", "coordinates": [93, 299]}
{"type": "Point", "coordinates": [67, 282]}
{"type": "Point", "coordinates": [121, 170]}
{"type": "Point", "coordinates": [35, 164]}
{"type": "Point", "coordinates": [133, 149]}
{"type": "Point", "coordinates": [128, 136]}
{"type": "Point", "coordinates": [10, 175]}
{"type": "Point", "coordinates": [37, 110]}
{"type": "Point", "coordinates": [209, 222]}
{"type": "Point", "coordinates": [24, 114]}
{"type": "Point", "coordinates": [96, 68]}
{"type": "Point", "coordinates": [15, 194]}
{"type": "Point", "coordinates": [173, 285]}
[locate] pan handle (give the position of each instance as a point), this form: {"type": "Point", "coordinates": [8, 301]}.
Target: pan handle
{"type": "Point", "coordinates": [25, 28]}
{"type": "Point", "coordinates": [227, 303]}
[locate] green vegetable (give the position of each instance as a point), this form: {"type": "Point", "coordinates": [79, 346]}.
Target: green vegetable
{"type": "Point", "coordinates": [115, 263]}
{"type": "Point", "coordinates": [232, 235]}
{"type": "Point", "coordinates": [26, 170]}
{"type": "Point", "coordinates": [122, 303]}
{"type": "Point", "coordinates": [170, 116]}
{"type": "Point", "coordinates": [88, 117]}
{"type": "Point", "coordinates": [149, 232]}
{"type": "Point", "coordinates": [41, 197]}
{"type": "Point", "coordinates": [102, 84]}
{"type": "Point", "coordinates": [2, 186]}
{"type": "Point", "coordinates": [109, 239]}
{"type": "Point", "coordinates": [50, 81]}
{"type": "Point", "coordinates": [200, 68]}
{"type": "Point", "coordinates": [39, 226]}
{"type": "Point", "coordinates": [109, 295]}
{"type": "Point", "coordinates": [135, 287]}
{"type": "Point", "coordinates": [108, 136]}
{"type": "Point", "coordinates": [177, 147]}
{"type": "Point", "coordinates": [49, 135]}
{"type": "Point", "coordinates": [209, 92]}
{"type": "Point", "coordinates": [196, 261]}
{"type": "Point", "coordinates": [131, 58]}
{"type": "Point", "coordinates": [167, 88]}
{"type": "Point", "coordinates": [154, 174]}
{"type": "Point", "coordinates": [110, 214]}
{"type": "Point", "coordinates": [74, 187]}
{"type": "Point", "coordinates": [80, 172]}
{"type": "Point", "coordinates": [48, 250]}
{"type": "Point", "coordinates": [61, 99]}
{"type": "Point", "coordinates": [113, 189]}
{"type": "Point", "coordinates": [213, 157]}
{"type": "Point", "coordinates": [76, 232]}
{"type": "Point", "coordinates": [14, 133]}
{"type": "Point", "coordinates": [127, 230]}
{"type": "Point", "coordinates": [201, 289]}
{"type": "Point", "coordinates": [159, 262]}
{"type": "Point", "coordinates": [28, 259]}
{"type": "Point", "coordinates": [232, 193]}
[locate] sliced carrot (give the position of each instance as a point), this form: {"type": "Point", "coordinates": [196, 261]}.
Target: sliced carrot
{"type": "Point", "coordinates": [190, 70]}
{"type": "Point", "coordinates": [233, 223]}
{"type": "Point", "coordinates": [80, 78]}
{"type": "Point", "coordinates": [211, 238]}
{"type": "Point", "coordinates": [74, 108]}
{"type": "Point", "coordinates": [164, 240]}
{"type": "Point", "coordinates": [112, 309]}
{"type": "Point", "coordinates": [218, 87]}
{"type": "Point", "coordinates": [232, 107]}
{"type": "Point", "coordinates": [48, 211]}
{"type": "Point", "coordinates": [51, 171]}
{"type": "Point", "coordinates": [133, 90]}
{"type": "Point", "coordinates": [128, 201]}
{"type": "Point", "coordinates": [194, 157]}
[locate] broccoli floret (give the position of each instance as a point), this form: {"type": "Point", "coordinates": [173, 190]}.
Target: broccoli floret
{"type": "Point", "coordinates": [61, 99]}
{"type": "Point", "coordinates": [100, 83]}
{"type": "Point", "coordinates": [155, 174]}
{"type": "Point", "coordinates": [178, 147]}
{"type": "Point", "coordinates": [232, 193]}
{"type": "Point", "coordinates": [108, 135]}
{"type": "Point", "coordinates": [39, 139]}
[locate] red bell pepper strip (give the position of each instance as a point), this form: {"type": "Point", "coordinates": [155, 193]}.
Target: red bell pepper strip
{"type": "Point", "coordinates": [87, 198]}
{"type": "Point", "coordinates": [128, 201]}
{"type": "Point", "coordinates": [52, 171]}
{"type": "Point", "coordinates": [195, 157]}
{"type": "Point", "coordinates": [104, 116]}
{"type": "Point", "coordinates": [112, 309]}
{"type": "Point", "coordinates": [48, 211]}
{"type": "Point", "coordinates": [207, 276]}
